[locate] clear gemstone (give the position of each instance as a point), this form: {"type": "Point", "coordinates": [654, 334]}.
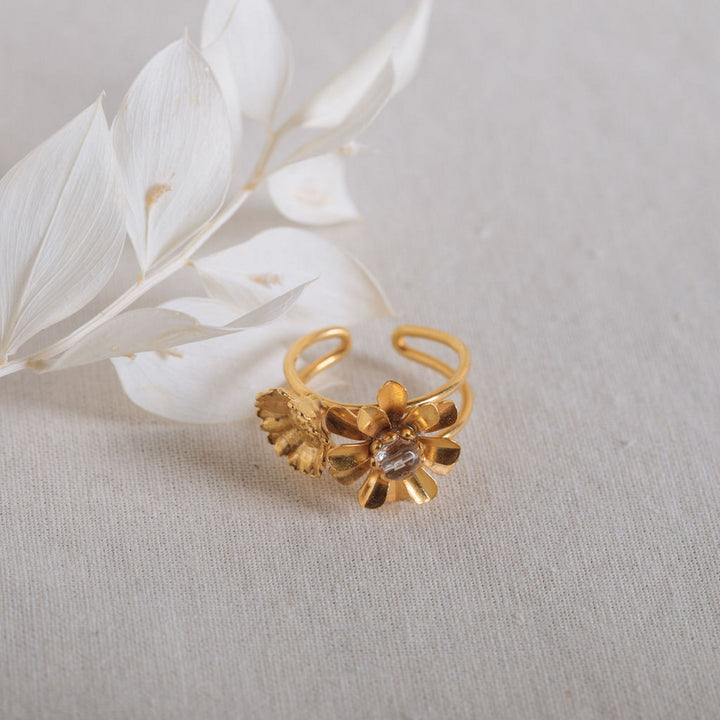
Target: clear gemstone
{"type": "Point", "coordinates": [398, 459]}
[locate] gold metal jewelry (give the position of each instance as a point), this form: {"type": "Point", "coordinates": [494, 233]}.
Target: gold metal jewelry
{"type": "Point", "coordinates": [397, 440]}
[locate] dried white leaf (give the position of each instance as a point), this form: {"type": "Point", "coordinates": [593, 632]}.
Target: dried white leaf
{"type": "Point", "coordinates": [211, 381]}
{"type": "Point", "coordinates": [402, 44]}
{"type": "Point", "coordinates": [314, 191]}
{"type": "Point", "coordinates": [217, 380]}
{"type": "Point", "coordinates": [174, 143]}
{"type": "Point", "coordinates": [364, 112]}
{"type": "Point", "coordinates": [279, 259]}
{"type": "Point", "coordinates": [132, 332]}
{"type": "Point", "coordinates": [165, 328]}
{"type": "Point", "coordinates": [256, 51]}
{"type": "Point", "coordinates": [61, 228]}
{"type": "Point", "coordinates": [218, 57]}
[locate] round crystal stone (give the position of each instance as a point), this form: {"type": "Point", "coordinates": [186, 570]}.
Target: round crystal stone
{"type": "Point", "coordinates": [399, 458]}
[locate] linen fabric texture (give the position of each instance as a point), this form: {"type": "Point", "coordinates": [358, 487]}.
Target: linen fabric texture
{"type": "Point", "coordinates": [546, 190]}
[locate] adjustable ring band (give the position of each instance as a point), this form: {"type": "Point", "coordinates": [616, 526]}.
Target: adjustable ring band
{"type": "Point", "coordinates": [398, 441]}
{"type": "Point", "coordinates": [297, 380]}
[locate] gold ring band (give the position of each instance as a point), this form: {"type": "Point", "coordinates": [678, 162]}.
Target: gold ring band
{"type": "Point", "coordinates": [297, 380]}
{"type": "Point", "coordinates": [400, 439]}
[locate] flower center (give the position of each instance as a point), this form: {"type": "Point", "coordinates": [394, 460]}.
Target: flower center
{"type": "Point", "coordinates": [397, 454]}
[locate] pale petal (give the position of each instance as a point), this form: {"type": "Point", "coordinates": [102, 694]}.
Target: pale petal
{"type": "Point", "coordinates": [401, 45]}
{"type": "Point", "coordinates": [440, 454]}
{"type": "Point", "coordinates": [272, 309]}
{"type": "Point", "coordinates": [218, 57]}
{"type": "Point", "coordinates": [282, 258]}
{"type": "Point", "coordinates": [409, 36]}
{"type": "Point", "coordinates": [392, 398]}
{"type": "Point", "coordinates": [147, 329]}
{"type": "Point", "coordinates": [61, 228]}
{"type": "Point", "coordinates": [360, 116]}
{"type": "Point", "coordinates": [133, 332]}
{"type": "Point", "coordinates": [174, 143]}
{"type": "Point", "coordinates": [217, 380]}
{"type": "Point", "coordinates": [211, 381]}
{"type": "Point", "coordinates": [257, 51]}
{"type": "Point", "coordinates": [314, 191]}
{"type": "Point", "coordinates": [421, 487]}
{"type": "Point", "coordinates": [372, 421]}
{"type": "Point", "coordinates": [422, 417]}
{"type": "Point", "coordinates": [373, 492]}
{"type": "Point", "coordinates": [208, 311]}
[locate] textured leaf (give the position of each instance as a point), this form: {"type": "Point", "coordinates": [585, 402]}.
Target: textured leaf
{"type": "Point", "coordinates": [364, 112]}
{"type": "Point", "coordinates": [217, 380]}
{"type": "Point", "coordinates": [218, 57]}
{"type": "Point", "coordinates": [132, 332]}
{"type": "Point", "coordinates": [165, 328]}
{"type": "Point", "coordinates": [211, 381]}
{"type": "Point", "coordinates": [61, 228]}
{"type": "Point", "coordinates": [282, 258]}
{"type": "Point", "coordinates": [256, 53]}
{"type": "Point", "coordinates": [402, 45]}
{"type": "Point", "coordinates": [313, 192]}
{"type": "Point", "coordinates": [174, 144]}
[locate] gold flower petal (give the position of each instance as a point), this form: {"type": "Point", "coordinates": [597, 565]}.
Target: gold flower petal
{"type": "Point", "coordinates": [397, 491]}
{"type": "Point", "coordinates": [272, 403]}
{"type": "Point", "coordinates": [421, 487]}
{"type": "Point", "coordinates": [422, 417]}
{"type": "Point", "coordinates": [347, 457]}
{"type": "Point", "coordinates": [307, 459]}
{"type": "Point", "coordinates": [295, 458]}
{"type": "Point", "coordinates": [448, 415]}
{"type": "Point", "coordinates": [392, 398]}
{"type": "Point", "coordinates": [294, 426]}
{"type": "Point", "coordinates": [277, 424]}
{"type": "Point", "coordinates": [348, 477]}
{"type": "Point", "coordinates": [371, 421]}
{"type": "Point", "coordinates": [287, 442]}
{"type": "Point", "coordinates": [340, 421]}
{"type": "Point", "coordinates": [373, 491]}
{"type": "Point", "coordinates": [440, 453]}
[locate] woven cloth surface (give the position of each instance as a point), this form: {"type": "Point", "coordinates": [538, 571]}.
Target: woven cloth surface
{"type": "Point", "coordinates": [547, 190]}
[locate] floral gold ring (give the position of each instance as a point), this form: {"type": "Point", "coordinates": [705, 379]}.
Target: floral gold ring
{"type": "Point", "coordinates": [397, 444]}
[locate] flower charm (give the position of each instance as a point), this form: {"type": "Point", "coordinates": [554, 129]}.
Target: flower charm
{"type": "Point", "coordinates": [294, 427]}
{"type": "Point", "coordinates": [394, 449]}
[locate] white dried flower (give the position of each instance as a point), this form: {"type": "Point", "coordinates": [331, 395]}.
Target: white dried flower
{"type": "Point", "coordinates": [160, 177]}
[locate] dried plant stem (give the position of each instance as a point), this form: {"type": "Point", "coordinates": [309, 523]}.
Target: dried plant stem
{"type": "Point", "coordinates": [155, 277]}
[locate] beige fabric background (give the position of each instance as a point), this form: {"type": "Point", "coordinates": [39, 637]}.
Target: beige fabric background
{"type": "Point", "coordinates": [547, 189]}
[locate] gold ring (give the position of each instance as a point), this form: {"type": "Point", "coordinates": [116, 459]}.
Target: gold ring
{"type": "Point", "coordinates": [396, 440]}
